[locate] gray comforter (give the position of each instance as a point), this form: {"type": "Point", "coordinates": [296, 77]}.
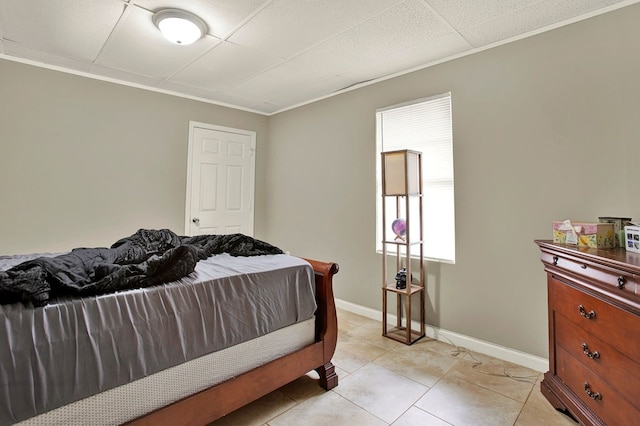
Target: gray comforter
{"type": "Point", "coordinates": [146, 258]}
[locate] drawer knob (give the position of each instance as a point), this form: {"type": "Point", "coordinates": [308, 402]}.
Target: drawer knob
{"type": "Point", "coordinates": [592, 395]}
{"type": "Point", "coordinates": [555, 260]}
{"type": "Point", "coordinates": [584, 313]}
{"type": "Point", "coordinates": [621, 282]}
{"type": "Point", "coordinates": [592, 355]}
{"type": "Point", "coordinates": [583, 266]}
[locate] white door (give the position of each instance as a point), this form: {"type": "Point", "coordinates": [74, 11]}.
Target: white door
{"type": "Point", "coordinates": [220, 180]}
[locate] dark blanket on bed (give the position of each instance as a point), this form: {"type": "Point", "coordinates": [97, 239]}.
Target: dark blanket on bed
{"type": "Point", "coordinates": [146, 258]}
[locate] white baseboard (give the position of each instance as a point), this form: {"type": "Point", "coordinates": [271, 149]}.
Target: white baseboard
{"type": "Point", "coordinates": [501, 352]}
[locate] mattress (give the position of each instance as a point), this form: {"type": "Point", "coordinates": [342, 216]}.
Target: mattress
{"type": "Point", "coordinates": [74, 348]}
{"type": "Point", "coordinates": [130, 401]}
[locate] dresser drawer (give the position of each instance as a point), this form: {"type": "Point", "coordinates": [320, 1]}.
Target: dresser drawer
{"type": "Point", "coordinates": [604, 321]}
{"type": "Point", "coordinates": [617, 280]}
{"type": "Point", "coordinates": [620, 372]}
{"type": "Point", "coordinates": [605, 402]}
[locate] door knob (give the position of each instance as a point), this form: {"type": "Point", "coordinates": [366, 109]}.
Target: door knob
{"type": "Point", "coordinates": [196, 221]}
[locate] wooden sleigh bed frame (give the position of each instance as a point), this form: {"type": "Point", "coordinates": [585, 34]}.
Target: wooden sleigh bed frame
{"type": "Point", "coordinates": [219, 400]}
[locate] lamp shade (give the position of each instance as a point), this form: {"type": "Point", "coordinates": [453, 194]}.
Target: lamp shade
{"type": "Point", "coordinates": [401, 172]}
{"type": "Point", "coordinates": [179, 26]}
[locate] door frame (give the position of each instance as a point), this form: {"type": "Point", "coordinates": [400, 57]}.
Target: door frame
{"type": "Point", "coordinates": [197, 124]}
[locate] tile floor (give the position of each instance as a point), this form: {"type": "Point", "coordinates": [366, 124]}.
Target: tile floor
{"type": "Point", "coordinates": [382, 382]}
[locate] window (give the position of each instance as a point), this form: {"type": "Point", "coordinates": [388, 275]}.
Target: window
{"type": "Point", "coordinates": [423, 125]}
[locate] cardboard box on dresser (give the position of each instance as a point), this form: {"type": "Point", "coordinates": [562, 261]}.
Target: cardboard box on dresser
{"type": "Point", "coordinates": [608, 232]}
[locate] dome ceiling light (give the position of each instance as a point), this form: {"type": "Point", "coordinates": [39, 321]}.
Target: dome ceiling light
{"type": "Point", "coordinates": [179, 26]}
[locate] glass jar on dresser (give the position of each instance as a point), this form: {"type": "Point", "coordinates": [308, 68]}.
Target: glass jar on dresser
{"type": "Point", "coordinates": [594, 333]}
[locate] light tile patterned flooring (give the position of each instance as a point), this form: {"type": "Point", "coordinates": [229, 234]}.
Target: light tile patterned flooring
{"type": "Point", "coordinates": [382, 382]}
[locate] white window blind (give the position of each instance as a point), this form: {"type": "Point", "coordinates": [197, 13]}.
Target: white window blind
{"type": "Point", "coordinates": [424, 125]}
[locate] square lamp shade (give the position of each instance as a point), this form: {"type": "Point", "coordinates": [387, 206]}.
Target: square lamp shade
{"type": "Point", "coordinates": [401, 172]}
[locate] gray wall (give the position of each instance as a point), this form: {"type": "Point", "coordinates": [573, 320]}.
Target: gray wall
{"type": "Point", "coordinates": [545, 128]}
{"type": "Point", "coordinates": [84, 162]}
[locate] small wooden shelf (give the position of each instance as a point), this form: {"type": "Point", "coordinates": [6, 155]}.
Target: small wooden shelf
{"type": "Point", "coordinates": [403, 243]}
{"type": "Point", "coordinates": [402, 185]}
{"type": "Point", "coordinates": [412, 290]}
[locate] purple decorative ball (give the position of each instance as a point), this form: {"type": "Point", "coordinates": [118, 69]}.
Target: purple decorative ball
{"type": "Point", "coordinates": [399, 227]}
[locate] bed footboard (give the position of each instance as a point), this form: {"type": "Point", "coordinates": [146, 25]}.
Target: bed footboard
{"type": "Point", "coordinates": [218, 401]}
{"type": "Point", "coordinates": [326, 320]}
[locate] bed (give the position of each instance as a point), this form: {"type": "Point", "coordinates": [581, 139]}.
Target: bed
{"type": "Point", "coordinates": [165, 363]}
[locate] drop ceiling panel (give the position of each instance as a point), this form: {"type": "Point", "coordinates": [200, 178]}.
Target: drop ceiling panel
{"type": "Point", "coordinates": [139, 47]}
{"type": "Point", "coordinates": [71, 28]}
{"type": "Point", "coordinates": [310, 91]}
{"type": "Point", "coordinates": [127, 76]}
{"type": "Point", "coordinates": [186, 90]}
{"type": "Point", "coordinates": [287, 76]}
{"type": "Point", "coordinates": [225, 66]}
{"type": "Point", "coordinates": [221, 16]}
{"type": "Point", "coordinates": [20, 50]}
{"type": "Point", "coordinates": [465, 14]}
{"type": "Point", "coordinates": [399, 28]}
{"type": "Point", "coordinates": [287, 27]}
{"type": "Point", "coordinates": [242, 101]}
{"type": "Point", "coordinates": [25, 52]}
{"type": "Point", "coordinates": [413, 57]}
{"type": "Point", "coordinates": [536, 15]}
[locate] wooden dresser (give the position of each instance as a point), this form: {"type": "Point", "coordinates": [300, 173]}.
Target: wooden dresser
{"type": "Point", "coordinates": [594, 333]}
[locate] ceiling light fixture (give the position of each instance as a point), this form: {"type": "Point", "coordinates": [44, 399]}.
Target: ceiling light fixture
{"type": "Point", "coordinates": [179, 26]}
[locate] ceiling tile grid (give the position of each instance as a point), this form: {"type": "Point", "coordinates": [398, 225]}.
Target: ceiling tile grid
{"type": "Point", "coordinates": [270, 55]}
